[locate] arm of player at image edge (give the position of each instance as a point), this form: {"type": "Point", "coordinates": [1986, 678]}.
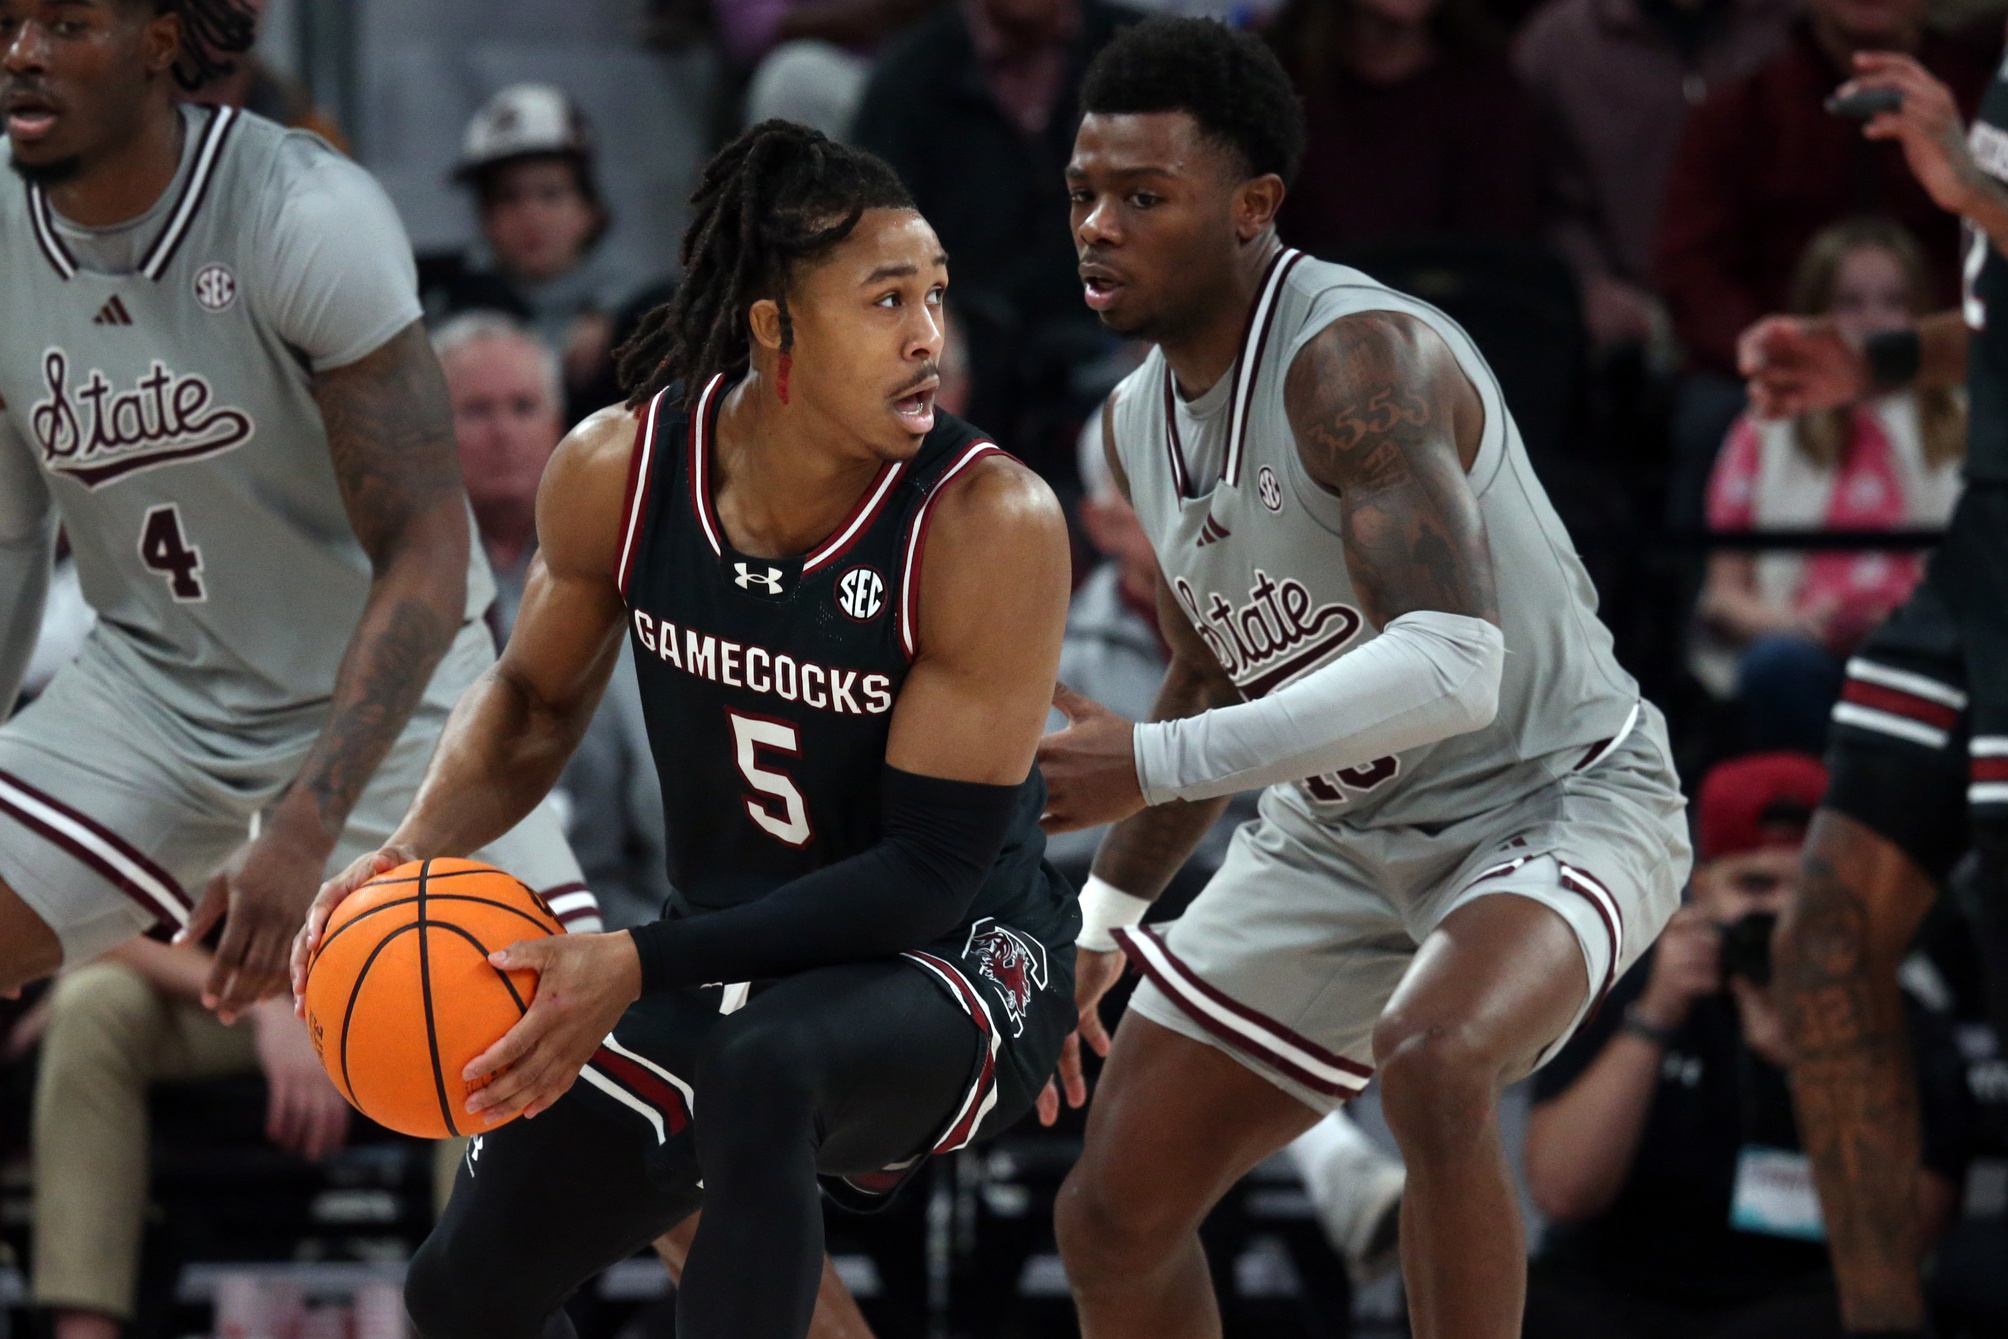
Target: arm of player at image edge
{"type": "Point", "coordinates": [27, 546]}
{"type": "Point", "coordinates": [513, 730]}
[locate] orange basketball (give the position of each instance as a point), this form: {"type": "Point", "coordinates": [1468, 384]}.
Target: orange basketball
{"type": "Point", "coordinates": [401, 995]}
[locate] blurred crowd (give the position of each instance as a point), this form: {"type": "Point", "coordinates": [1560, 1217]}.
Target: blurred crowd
{"type": "Point", "coordinates": [1605, 192]}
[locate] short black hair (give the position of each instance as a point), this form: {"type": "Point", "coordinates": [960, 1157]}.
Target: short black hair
{"type": "Point", "coordinates": [1228, 81]}
{"type": "Point", "coordinates": [213, 34]}
{"type": "Point", "coordinates": [779, 195]}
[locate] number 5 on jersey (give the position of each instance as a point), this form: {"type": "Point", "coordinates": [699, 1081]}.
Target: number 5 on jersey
{"type": "Point", "coordinates": [750, 734]}
{"type": "Point", "coordinates": [164, 550]}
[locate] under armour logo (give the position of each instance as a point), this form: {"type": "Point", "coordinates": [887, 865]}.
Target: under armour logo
{"type": "Point", "coordinates": [768, 581]}
{"type": "Point", "coordinates": [473, 1152]}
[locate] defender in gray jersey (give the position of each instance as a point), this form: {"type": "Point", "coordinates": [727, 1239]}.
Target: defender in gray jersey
{"type": "Point", "coordinates": [1375, 613]}
{"type": "Point", "coordinates": [213, 377]}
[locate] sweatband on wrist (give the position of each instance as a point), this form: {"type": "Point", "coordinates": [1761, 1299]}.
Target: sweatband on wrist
{"type": "Point", "coordinates": [1105, 907]}
{"type": "Point", "coordinates": [939, 840]}
{"type": "Point", "coordinates": [1894, 357]}
{"type": "Point", "coordinates": [1428, 676]}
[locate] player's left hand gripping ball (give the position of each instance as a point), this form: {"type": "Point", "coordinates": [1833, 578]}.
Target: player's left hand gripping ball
{"type": "Point", "coordinates": [585, 983]}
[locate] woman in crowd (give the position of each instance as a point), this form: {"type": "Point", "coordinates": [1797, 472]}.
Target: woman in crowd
{"type": "Point", "coordinates": [1788, 619]}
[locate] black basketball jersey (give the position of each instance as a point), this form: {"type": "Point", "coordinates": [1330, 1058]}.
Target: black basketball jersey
{"type": "Point", "coordinates": [768, 683]}
{"type": "Point", "coordinates": [1986, 304]}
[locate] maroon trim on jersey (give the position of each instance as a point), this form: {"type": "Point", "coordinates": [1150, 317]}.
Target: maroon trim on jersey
{"type": "Point", "coordinates": [640, 484]}
{"type": "Point", "coordinates": [1248, 367]}
{"type": "Point", "coordinates": [1587, 886]}
{"type": "Point", "coordinates": [701, 418]}
{"type": "Point", "coordinates": [916, 543]}
{"type": "Point", "coordinates": [566, 918]}
{"type": "Point", "coordinates": [861, 519]}
{"type": "Point", "coordinates": [207, 154]}
{"type": "Point", "coordinates": [645, 1086]}
{"type": "Point", "coordinates": [1172, 444]}
{"type": "Point", "coordinates": [1185, 988]}
{"type": "Point", "coordinates": [46, 236]}
{"type": "Point", "coordinates": [982, 1089]}
{"type": "Point", "coordinates": [118, 861]}
{"type": "Point", "coordinates": [1878, 697]}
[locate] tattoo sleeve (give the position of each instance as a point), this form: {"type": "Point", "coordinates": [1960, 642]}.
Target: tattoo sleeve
{"type": "Point", "coordinates": [1385, 418]}
{"type": "Point", "coordinates": [1855, 1091]}
{"type": "Point", "coordinates": [1142, 853]}
{"type": "Point", "coordinates": [390, 433]}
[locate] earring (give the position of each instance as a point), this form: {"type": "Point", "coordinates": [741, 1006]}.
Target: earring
{"type": "Point", "coordinates": [781, 382]}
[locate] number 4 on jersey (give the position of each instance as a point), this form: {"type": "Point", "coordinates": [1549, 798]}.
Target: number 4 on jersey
{"type": "Point", "coordinates": [749, 735]}
{"type": "Point", "coordinates": [164, 550]}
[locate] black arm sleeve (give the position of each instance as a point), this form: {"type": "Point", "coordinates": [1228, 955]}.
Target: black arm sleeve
{"type": "Point", "coordinates": [940, 840]}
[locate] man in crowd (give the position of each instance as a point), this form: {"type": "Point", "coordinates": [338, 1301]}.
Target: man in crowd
{"type": "Point", "coordinates": [1662, 1144]}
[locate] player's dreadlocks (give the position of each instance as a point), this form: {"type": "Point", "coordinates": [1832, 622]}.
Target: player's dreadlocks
{"type": "Point", "coordinates": [778, 195]}
{"type": "Point", "coordinates": [212, 33]}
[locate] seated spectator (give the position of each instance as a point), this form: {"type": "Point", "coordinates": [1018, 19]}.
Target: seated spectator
{"type": "Point", "coordinates": [1416, 124]}
{"type": "Point", "coordinates": [1761, 166]}
{"type": "Point", "coordinates": [529, 159]}
{"type": "Point", "coordinates": [503, 385]}
{"type": "Point", "coordinates": [115, 1027]}
{"type": "Point", "coordinates": [1893, 462]}
{"type": "Point", "coordinates": [976, 110]}
{"type": "Point", "coordinates": [810, 58]}
{"type": "Point", "coordinates": [1614, 80]}
{"type": "Point", "coordinates": [1662, 1143]}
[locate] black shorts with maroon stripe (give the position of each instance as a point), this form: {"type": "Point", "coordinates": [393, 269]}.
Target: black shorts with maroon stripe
{"type": "Point", "coordinates": [1920, 737]}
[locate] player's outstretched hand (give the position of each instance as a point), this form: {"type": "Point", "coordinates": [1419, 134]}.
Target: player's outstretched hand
{"type": "Point", "coordinates": [360, 871]}
{"type": "Point", "coordinates": [1795, 364]}
{"type": "Point", "coordinates": [1094, 973]}
{"type": "Point", "coordinates": [584, 984]}
{"type": "Point", "coordinates": [1090, 767]}
{"type": "Point", "coordinates": [260, 895]}
{"type": "Point", "coordinates": [304, 1113]}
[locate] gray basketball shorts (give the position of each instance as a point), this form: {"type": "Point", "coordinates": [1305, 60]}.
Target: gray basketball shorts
{"type": "Point", "coordinates": [1287, 958]}
{"type": "Point", "coordinates": [115, 813]}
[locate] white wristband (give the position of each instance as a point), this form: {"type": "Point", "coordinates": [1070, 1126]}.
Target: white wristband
{"type": "Point", "coordinates": [1105, 907]}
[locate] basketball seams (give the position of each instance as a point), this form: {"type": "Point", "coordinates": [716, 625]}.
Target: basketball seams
{"type": "Point", "coordinates": [355, 994]}
{"type": "Point", "coordinates": [551, 928]}
{"type": "Point", "coordinates": [521, 1006]}
{"type": "Point", "coordinates": [425, 994]}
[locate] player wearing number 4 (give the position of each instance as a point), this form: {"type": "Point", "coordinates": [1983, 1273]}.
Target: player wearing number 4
{"type": "Point", "coordinates": [845, 609]}
{"type": "Point", "coordinates": [1471, 825]}
{"type": "Point", "coordinates": [213, 376]}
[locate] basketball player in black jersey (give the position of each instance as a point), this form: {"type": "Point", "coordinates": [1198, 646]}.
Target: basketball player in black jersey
{"type": "Point", "coordinates": [1920, 740]}
{"type": "Point", "coordinates": [845, 609]}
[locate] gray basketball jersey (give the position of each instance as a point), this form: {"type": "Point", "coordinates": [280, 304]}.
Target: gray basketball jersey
{"type": "Point", "coordinates": [177, 433]}
{"type": "Point", "coordinates": [1250, 544]}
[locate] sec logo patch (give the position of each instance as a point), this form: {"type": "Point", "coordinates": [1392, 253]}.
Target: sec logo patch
{"type": "Point", "coordinates": [215, 287]}
{"type": "Point", "coordinates": [861, 594]}
{"type": "Point", "coordinates": [1268, 489]}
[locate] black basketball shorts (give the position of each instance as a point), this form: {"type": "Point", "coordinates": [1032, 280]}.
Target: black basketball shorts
{"type": "Point", "coordinates": [1920, 738]}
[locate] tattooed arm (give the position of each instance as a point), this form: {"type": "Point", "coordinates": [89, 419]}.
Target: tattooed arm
{"type": "Point", "coordinates": [390, 432]}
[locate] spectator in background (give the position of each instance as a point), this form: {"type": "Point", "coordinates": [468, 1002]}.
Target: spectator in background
{"type": "Point", "coordinates": [1891, 462]}
{"type": "Point", "coordinates": [528, 157]}
{"type": "Point", "coordinates": [504, 387]}
{"type": "Point", "coordinates": [1761, 166]}
{"type": "Point", "coordinates": [1662, 1144]}
{"type": "Point", "coordinates": [115, 1027]}
{"type": "Point", "coordinates": [1417, 124]}
{"type": "Point", "coordinates": [810, 59]}
{"type": "Point", "coordinates": [1614, 80]}
{"type": "Point", "coordinates": [976, 111]}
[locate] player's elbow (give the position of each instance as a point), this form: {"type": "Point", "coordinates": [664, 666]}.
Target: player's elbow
{"type": "Point", "coordinates": [1480, 662]}
{"type": "Point", "coordinates": [425, 548]}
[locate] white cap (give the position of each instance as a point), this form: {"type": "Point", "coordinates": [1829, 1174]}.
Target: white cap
{"type": "Point", "coordinates": [521, 120]}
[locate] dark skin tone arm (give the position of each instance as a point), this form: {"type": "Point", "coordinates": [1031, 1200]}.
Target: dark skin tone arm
{"type": "Point", "coordinates": [1383, 417]}
{"type": "Point", "coordinates": [390, 433]}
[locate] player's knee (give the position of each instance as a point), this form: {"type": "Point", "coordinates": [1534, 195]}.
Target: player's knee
{"type": "Point", "coordinates": [1106, 1235]}
{"type": "Point", "coordinates": [756, 1070]}
{"type": "Point", "coordinates": [1439, 1079]}
{"type": "Point", "coordinates": [448, 1296]}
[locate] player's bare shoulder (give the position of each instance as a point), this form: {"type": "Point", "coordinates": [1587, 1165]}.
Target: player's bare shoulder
{"type": "Point", "coordinates": [581, 499]}
{"type": "Point", "coordinates": [994, 556]}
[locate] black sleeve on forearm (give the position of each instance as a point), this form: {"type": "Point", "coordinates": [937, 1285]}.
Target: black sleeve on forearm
{"type": "Point", "coordinates": [940, 839]}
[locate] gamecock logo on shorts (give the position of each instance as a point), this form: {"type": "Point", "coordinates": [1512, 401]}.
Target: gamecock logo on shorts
{"type": "Point", "coordinates": [1013, 963]}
